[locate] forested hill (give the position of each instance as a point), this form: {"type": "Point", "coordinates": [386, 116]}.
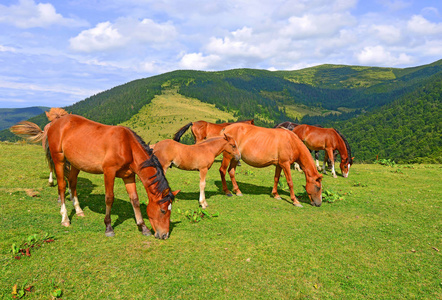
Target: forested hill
{"type": "Point", "coordinates": [351, 98]}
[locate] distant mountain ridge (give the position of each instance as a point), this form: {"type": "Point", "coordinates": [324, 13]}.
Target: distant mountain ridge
{"type": "Point", "coordinates": [10, 116]}
{"type": "Point", "coordinates": [331, 95]}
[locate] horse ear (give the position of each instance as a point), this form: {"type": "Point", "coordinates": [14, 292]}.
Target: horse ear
{"type": "Point", "coordinates": [176, 192]}
{"type": "Point", "coordinates": [227, 136]}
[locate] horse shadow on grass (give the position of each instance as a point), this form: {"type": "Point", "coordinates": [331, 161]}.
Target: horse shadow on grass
{"type": "Point", "coordinates": [246, 189]}
{"type": "Point", "coordinates": [122, 210]}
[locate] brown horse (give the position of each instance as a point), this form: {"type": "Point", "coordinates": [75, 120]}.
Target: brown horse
{"type": "Point", "coordinates": [262, 147]}
{"type": "Point", "coordinates": [328, 139]}
{"type": "Point", "coordinates": [114, 151]}
{"type": "Point", "coordinates": [202, 130]}
{"type": "Point", "coordinates": [34, 134]}
{"type": "Point", "coordinates": [195, 157]}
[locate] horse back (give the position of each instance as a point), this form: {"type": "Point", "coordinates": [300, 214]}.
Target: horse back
{"type": "Point", "coordinates": [90, 146]}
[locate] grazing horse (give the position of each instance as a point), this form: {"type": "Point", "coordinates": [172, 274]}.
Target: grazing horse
{"type": "Point", "coordinates": [262, 147]}
{"type": "Point", "coordinates": [34, 134]}
{"type": "Point", "coordinates": [202, 130]}
{"type": "Point", "coordinates": [114, 151]}
{"type": "Point", "coordinates": [195, 157]}
{"type": "Point", "coordinates": [328, 139]}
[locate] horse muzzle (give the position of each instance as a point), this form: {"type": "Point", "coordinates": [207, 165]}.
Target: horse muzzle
{"type": "Point", "coordinates": [162, 236]}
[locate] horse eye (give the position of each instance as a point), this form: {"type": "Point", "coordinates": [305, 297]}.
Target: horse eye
{"type": "Point", "coordinates": [162, 211]}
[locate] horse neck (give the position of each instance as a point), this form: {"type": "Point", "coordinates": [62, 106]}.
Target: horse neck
{"type": "Point", "coordinates": [217, 146]}
{"type": "Point", "coordinates": [342, 148]}
{"type": "Point", "coordinates": [306, 163]}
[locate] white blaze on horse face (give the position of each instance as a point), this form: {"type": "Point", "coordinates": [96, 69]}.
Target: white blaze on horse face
{"type": "Point", "coordinates": [170, 206]}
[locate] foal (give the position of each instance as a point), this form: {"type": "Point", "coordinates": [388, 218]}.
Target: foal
{"type": "Point", "coordinates": [195, 157]}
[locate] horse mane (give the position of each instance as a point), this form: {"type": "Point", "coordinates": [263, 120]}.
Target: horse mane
{"type": "Point", "coordinates": [159, 178]}
{"type": "Point", "coordinates": [55, 113]}
{"type": "Point", "coordinates": [347, 145]}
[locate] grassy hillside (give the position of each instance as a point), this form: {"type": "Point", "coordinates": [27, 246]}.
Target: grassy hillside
{"type": "Point", "coordinates": [168, 112]}
{"type": "Point", "coordinates": [330, 95]}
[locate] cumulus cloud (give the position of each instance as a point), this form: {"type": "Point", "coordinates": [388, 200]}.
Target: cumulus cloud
{"type": "Point", "coordinates": [418, 24]}
{"type": "Point", "coordinates": [197, 61]}
{"type": "Point", "coordinates": [108, 36]}
{"type": "Point", "coordinates": [28, 14]}
{"type": "Point", "coordinates": [378, 55]}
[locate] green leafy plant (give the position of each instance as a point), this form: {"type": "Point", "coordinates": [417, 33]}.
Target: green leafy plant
{"type": "Point", "coordinates": [56, 292]}
{"type": "Point", "coordinates": [331, 196]}
{"type": "Point", "coordinates": [385, 162]}
{"type": "Point", "coordinates": [198, 215]}
{"type": "Point", "coordinates": [32, 242]}
{"type": "Point", "coordinates": [19, 292]}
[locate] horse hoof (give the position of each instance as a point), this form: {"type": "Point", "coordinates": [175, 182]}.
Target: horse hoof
{"type": "Point", "coordinates": [80, 214]}
{"type": "Point", "coordinates": [239, 194]}
{"type": "Point", "coordinates": [147, 233]}
{"type": "Point", "coordinates": [229, 195]}
{"type": "Point", "coordinates": [110, 233]}
{"type": "Point", "coordinates": [334, 176]}
{"type": "Point", "coordinates": [66, 224]}
{"type": "Point", "coordinates": [278, 198]}
{"type": "Point", "coordinates": [297, 204]}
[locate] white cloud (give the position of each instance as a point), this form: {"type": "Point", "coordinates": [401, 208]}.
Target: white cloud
{"type": "Point", "coordinates": [418, 24]}
{"type": "Point", "coordinates": [108, 36]}
{"type": "Point", "coordinates": [6, 49]}
{"type": "Point", "coordinates": [197, 61]}
{"type": "Point", "coordinates": [387, 33]}
{"type": "Point", "coordinates": [102, 37]}
{"type": "Point", "coordinates": [28, 14]}
{"type": "Point", "coordinates": [378, 55]}
{"type": "Point", "coordinates": [311, 26]}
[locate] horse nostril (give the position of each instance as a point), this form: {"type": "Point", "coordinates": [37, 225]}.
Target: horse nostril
{"type": "Point", "coordinates": [165, 236]}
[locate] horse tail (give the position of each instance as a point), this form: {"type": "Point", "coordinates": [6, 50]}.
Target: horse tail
{"type": "Point", "coordinates": [31, 131]}
{"type": "Point", "coordinates": [347, 145]}
{"type": "Point", "coordinates": [181, 131]}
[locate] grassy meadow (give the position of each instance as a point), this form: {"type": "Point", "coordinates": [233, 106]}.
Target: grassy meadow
{"type": "Point", "coordinates": [381, 239]}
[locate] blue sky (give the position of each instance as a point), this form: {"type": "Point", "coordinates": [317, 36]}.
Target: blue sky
{"type": "Point", "coordinates": [56, 53]}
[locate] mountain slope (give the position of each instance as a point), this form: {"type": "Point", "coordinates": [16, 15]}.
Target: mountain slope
{"type": "Point", "coordinates": [10, 116]}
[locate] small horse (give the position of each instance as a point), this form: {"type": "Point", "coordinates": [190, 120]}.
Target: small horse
{"type": "Point", "coordinates": [262, 147]}
{"type": "Point", "coordinates": [328, 139]}
{"type": "Point", "coordinates": [195, 157]}
{"type": "Point", "coordinates": [114, 151]}
{"type": "Point", "coordinates": [202, 130]}
{"type": "Point", "coordinates": [34, 134]}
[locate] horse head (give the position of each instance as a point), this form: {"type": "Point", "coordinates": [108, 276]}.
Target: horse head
{"type": "Point", "coordinates": [231, 147]}
{"type": "Point", "coordinates": [345, 166]}
{"type": "Point", "coordinates": [159, 214]}
{"type": "Point", "coordinates": [313, 188]}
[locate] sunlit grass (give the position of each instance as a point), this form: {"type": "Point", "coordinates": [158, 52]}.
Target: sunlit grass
{"type": "Point", "coordinates": [382, 241]}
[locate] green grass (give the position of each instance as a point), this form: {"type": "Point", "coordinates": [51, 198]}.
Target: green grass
{"type": "Point", "coordinates": [380, 242]}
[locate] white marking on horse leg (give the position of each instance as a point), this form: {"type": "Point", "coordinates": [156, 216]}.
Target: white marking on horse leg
{"type": "Point", "coordinates": [64, 216]}
{"type": "Point", "coordinates": [51, 180]}
{"type": "Point", "coordinates": [333, 170]}
{"type": "Point", "coordinates": [202, 199]}
{"type": "Point", "coordinates": [78, 209]}
{"type": "Point", "coordinates": [324, 169]}
{"type": "Point", "coordinates": [317, 164]}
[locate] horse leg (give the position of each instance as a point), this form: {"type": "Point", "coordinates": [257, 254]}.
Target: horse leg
{"type": "Point", "coordinates": [288, 177]}
{"type": "Point", "coordinates": [317, 160]}
{"type": "Point", "coordinates": [330, 155]}
{"type": "Point", "coordinates": [203, 173]}
{"type": "Point", "coordinates": [73, 176]}
{"type": "Point", "coordinates": [109, 181]}
{"type": "Point", "coordinates": [133, 195]}
{"type": "Point", "coordinates": [276, 180]}
{"type": "Point", "coordinates": [222, 171]}
{"type": "Point", "coordinates": [232, 168]}
{"type": "Point", "coordinates": [58, 159]}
